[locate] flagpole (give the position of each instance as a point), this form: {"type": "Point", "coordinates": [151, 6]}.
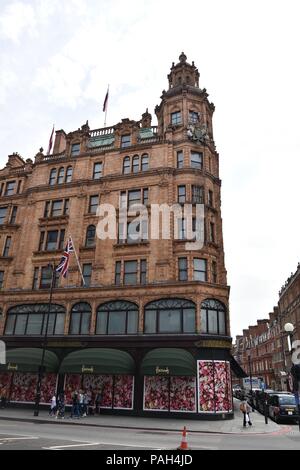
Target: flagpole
{"type": "Point", "coordinates": [41, 367]}
{"type": "Point", "coordinates": [79, 267]}
{"type": "Point", "coordinates": [106, 106]}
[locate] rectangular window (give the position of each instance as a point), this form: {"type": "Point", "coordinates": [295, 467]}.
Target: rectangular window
{"type": "Point", "coordinates": [214, 271]}
{"type": "Point", "coordinates": [182, 269]}
{"type": "Point", "coordinates": [1, 279]}
{"type": "Point", "coordinates": [134, 197]}
{"type": "Point", "coordinates": [169, 321]}
{"type": "Point", "coordinates": [130, 272]}
{"type": "Point", "coordinates": [87, 274]}
{"type": "Point", "coordinates": [210, 198]}
{"type": "Point", "coordinates": [193, 117]}
{"type": "Point", "coordinates": [136, 164]}
{"type": "Point", "coordinates": [93, 204]}
{"type": "Point", "coordinates": [61, 240]}
{"type": "Point", "coordinates": [41, 242]}
{"type": "Point", "coordinates": [10, 188]}
{"type": "Point", "coordinates": [125, 141]}
{"type": "Point", "coordinates": [145, 162]}
{"type": "Point", "coordinates": [35, 281]}
{"type": "Point", "coordinates": [56, 209]}
{"type": "Point", "coordinates": [46, 277]}
{"type": "Point", "coordinates": [181, 194]}
{"type": "Point", "coordinates": [7, 246]}
{"type": "Point", "coordinates": [118, 273]}
{"type": "Point", "coordinates": [180, 159]}
{"type": "Point", "coordinates": [47, 209]}
{"type": "Point", "coordinates": [51, 243]}
{"type": "Point", "coordinates": [75, 149]}
{"type": "Point", "coordinates": [3, 211]}
{"type": "Point", "coordinates": [145, 196]}
{"type": "Point", "coordinates": [66, 207]}
{"type": "Point", "coordinates": [176, 118]}
{"type": "Point", "coordinates": [143, 271]}
{"type": "Point", "coordinates": [212, 232]}
{"type": "Point", "coordinates": [200, 269]}
{"type": "Point", "coordinates": [181, 229]}
{"type": "Point", "coordinates": [13, 215]}
{"type": "Point", "coordinates": [197, 160]}
{"type": "Point", "coordinates": [197, 194]}
{"type": "Point", "coordinates": [97, 170]}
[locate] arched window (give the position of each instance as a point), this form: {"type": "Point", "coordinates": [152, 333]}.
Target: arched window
{"type": "Point", "coordinates": [170, 316]}
{"type": "Point", "coordinates": [69, 174]}
{"type": "Point", "coordinates": [117, 318]}
{"type": "Point", "coordinates": [136, 164]}
{"type": "Point", "coordinates": [145, 162]}
{"type": "Point", "coordinates": [90, 236]}
{"type": "Point", "coordinates": [31, 319]}
{"type": "Point", "coordinates": [213, 317]}
{"type": "Point", "coordinates": [52, 179]}
{"type": "Point", "coordinates": [61, 175]}
{"type": "Point", "coordinates": [126, 165]}
{"type": "Point", "coordinates": [80, 319]}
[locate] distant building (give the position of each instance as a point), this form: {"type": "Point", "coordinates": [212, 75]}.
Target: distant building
{"type": "Point", "coordinates": [150, 327]}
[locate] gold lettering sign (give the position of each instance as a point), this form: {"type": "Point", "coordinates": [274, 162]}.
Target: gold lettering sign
{"type": "Point", "coordinates": [162, 371]}
{"type": "Point", "coordinates": [86, 369]}
{"type": "Point", "coordinates": [213, 343]}
{"type": "Point", "coordinates": [11, 366]}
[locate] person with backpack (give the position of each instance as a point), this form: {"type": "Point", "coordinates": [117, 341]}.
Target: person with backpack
{"type": "Point", "coordinates": [246, 409]}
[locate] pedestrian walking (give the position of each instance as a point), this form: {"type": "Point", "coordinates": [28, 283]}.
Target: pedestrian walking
{"type": "Point", "coordinates": [52, 410]}
{"type": "Point", "coordinates": [75, 405]}
{"type": "Point", "coordinates": [246, 410]}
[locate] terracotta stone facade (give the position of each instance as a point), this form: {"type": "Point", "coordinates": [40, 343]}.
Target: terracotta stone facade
{"type": "Point", "coordinates": [58, 193]}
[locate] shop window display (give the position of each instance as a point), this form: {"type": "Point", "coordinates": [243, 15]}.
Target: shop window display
{"type": "Point", "coordinates": [72, 384]}
{"type": "Point", "coordinates": [170, 393]}
{"type": "Point", "coordinates": [24, 387]}
{"type": "Point", "coordinates": [123, 392]}
{"type": "Point", "coordinates": [104, 383]}
{"type": "Point", "coordinates": [214, 387]}
{"type": "Point", "coordinates": [5, 380]}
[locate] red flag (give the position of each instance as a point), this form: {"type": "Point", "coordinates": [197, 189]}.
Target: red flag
{"type": "Point", "coordinates": [105, 101]}
{"type": "Point", "coordinates": [50, 142]}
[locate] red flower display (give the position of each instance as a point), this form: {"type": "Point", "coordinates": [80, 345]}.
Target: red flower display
{"type": "Point", "coordinates": [214, 391]}
{"type": "Point", "coordinates": [170, 393]}
{"type": "Point", "coordinates": [123, 392]}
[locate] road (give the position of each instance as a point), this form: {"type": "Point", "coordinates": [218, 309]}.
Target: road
{"type": "Point", "coordinates": [52, 436]}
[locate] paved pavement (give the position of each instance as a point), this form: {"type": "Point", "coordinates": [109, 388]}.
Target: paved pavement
{"type": "Point", "coordinates": [233, 426]}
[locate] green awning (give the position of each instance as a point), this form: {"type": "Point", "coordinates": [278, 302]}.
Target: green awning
{"type": "Point", "coordinates": [171, 360]}
{"type": "Point", "coordinates": [98, 361]}
{"type": "Point", "coordinates": [29, 360]}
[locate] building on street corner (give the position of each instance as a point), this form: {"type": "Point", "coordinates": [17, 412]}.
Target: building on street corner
{"type": "Point", "coordinates": [150, 325]}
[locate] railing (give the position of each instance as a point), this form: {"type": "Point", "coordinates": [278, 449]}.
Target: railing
{"type": "Point", "coordinates": [54, 156]}
{"type": "Point", "coordinates": [102, 132]}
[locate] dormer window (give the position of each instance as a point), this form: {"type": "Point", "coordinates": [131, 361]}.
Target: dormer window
{"type": "Point", "coordinates": [75, 149]}
{"type": "Point", "coordinates": [125, 141]}
{"type": "Point", "coordinates": [176, 118]}
{"type": "Point", "coordinates": [193, 117]}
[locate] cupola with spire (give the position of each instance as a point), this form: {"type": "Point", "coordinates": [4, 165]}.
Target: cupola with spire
{"type": "Point", "coordinates": [183, 73]}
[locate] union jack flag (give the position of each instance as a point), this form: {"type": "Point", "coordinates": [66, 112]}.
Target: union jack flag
{"type": "Point", "coordinates": [63, 266]}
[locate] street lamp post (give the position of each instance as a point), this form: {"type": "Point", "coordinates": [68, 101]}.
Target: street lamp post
{"type": "Point", "coordinates": [250, 375]}
{"type": "Point", "coordinates": [42, 367]}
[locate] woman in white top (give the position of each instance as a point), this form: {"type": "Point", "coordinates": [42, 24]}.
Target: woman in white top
{"type": "Point", "coordinates": [53, 406]}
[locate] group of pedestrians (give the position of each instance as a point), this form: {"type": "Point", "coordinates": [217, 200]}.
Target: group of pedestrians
{"type": "Point", "coordinates": [83, 403]}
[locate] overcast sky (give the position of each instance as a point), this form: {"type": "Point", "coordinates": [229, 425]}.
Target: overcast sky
{"type": "Point", "coordinates": [57, 57]}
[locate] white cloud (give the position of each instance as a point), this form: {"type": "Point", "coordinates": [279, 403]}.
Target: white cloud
{"type": "Point", "coordinates": [18, 18]}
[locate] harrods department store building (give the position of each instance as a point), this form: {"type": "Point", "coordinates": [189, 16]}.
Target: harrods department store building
{"type": "Point", "coordinates": [150, 327]}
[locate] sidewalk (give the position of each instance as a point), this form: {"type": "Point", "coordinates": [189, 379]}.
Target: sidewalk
{"type": "Point", "coordinates": [233, 426]}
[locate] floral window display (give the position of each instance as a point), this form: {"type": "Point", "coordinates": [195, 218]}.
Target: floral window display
{"type": "Point", "coordinates": [72, 384]}
{"type": "Point", "coordinates": [214, 387]}
{"type": "Point", "coordinates": [24, 387]}
{"type": "Point", "coordinates": [104, 383]}
{"type": "Point", "coordinates": [123, 392]}
{"type": "Point", "coordinates": [5, 379]}
{"type": "Point", "coordinates": [170, 393]}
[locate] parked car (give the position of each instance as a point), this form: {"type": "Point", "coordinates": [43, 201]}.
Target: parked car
{"type": "Point", "coordinates": [282, 406]}
{"type": "Point", "coordinates": [250, 395]}
{"type": "Point", "coordinates": [260, 398]}
{"type": "Point", "coordinates": [236, 391]}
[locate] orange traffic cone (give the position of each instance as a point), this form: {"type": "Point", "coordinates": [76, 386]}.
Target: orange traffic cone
{"type": "Point", "coordinates": [183, 444]}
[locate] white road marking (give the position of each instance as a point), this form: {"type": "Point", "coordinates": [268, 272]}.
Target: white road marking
{"type": "Point", "coordinates": [102, 443]}
{"type": "Point", "coordinates": [17, 438]}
